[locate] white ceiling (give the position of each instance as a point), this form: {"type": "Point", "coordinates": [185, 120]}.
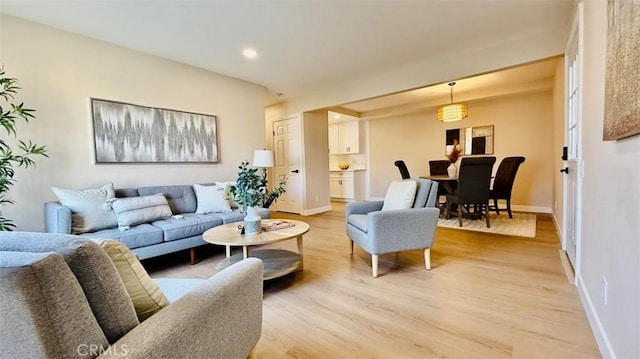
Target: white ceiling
{"type": "Point", "coordinates": [303, 46]}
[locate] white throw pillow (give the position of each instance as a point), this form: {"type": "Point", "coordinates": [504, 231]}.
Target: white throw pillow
{"type": "Point", "coordinates": [131, 211]}
{"type": "Point", "coordinates": [211, 199]}
{"type": "Point", "coordinates": [225, 186]}
{"type": "Point", "coordinates": [400, 195]}
{"type": "Point", "coordinates": [88, 210]}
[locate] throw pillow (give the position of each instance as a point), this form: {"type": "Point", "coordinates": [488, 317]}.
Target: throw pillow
{"type": "Point", "coordinates": [225, 186]}
{"type": "Point", "coordinates": [400, 195]}
{"type": "Point", "coordinates": [211, 199]}
{"type": "Point", "coordinates": [145, 294]}
{"type": "Point", "coordinates": [131, 211]}
{"type": "Point", "coordinates": [88, 211]}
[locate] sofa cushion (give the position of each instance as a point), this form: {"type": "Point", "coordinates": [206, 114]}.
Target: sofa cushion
{"type": "Point", "coordinates": [141, 235]}
{"type": "Point", "coordinates": [175, 288]}
{"type": "Point", "coordinates": [225, 185]}
{"type": "Point", "coordinates": [145, 294]}
{"type": "Point", "coordinates": [186, 225]}
{"type": "Point", "coordinates": [136, 210]}
{"type": "Point", "coordinates": [400, 195]}
{"type": "Point", "coordinates": [181, 198]}
{"type": "Point", "coordinates": [359, 221]}
{"type": "Point", "coordinates": [88, 207]}
{"type": "Point", "coordinates": [45, 314]}
{"type": "Point", "coordinates": [211, 199]}
{"type": "Point", "coordinates": [93, 270]}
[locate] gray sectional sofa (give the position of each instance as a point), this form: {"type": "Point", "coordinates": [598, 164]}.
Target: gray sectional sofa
{"type": "Point", "coordinates": [181, 231]}
{"type": "Point", "coordinates": [62, 297]}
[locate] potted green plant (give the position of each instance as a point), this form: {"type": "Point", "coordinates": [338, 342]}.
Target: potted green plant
{"type": "Point", "coordinates": [9, 113]}
{"type": "Point", "coordinates": [250, 192]}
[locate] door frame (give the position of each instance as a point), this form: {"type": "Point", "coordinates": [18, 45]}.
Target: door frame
{"type": "Point", "coordinates": [576, 35]}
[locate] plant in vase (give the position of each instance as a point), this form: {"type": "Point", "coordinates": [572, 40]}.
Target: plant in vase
{"type": "Point", "coordinates": [453, 158]}
{"type": "Point", "coordinates": [250, 192]}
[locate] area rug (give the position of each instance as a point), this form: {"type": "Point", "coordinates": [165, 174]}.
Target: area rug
{"type": "Point", "coordinates": [522, 224]}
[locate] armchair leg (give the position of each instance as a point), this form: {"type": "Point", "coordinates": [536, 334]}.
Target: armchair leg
{"type": "Point", "coordinates": [351, 248]}
{"type": "Point", "coordinates": [374, 265]}
{"type": "Point", "coordinates": [192, 256]}
{"type": "Point", "coordinates": [427, 258]}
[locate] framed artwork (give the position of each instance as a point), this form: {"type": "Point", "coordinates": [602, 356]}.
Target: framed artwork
{"type": "Point", "coordinates": [471, 140]}
{"type": "Point", "coordinates": [622, 79]}
{"type": "Point", "coordinates": [126, 133]}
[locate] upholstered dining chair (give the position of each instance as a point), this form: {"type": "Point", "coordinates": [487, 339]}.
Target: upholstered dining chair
{"type": "Point", "coordinates": [404, 171]}
{"type": "Point", "coordinates": [503, 182]}
{"type": "Point", "coordinates": [380, 228]}
{"type": "Point", "coordinates": [474, 180]}
{"type": "Point", "coordinates": [439, 168]}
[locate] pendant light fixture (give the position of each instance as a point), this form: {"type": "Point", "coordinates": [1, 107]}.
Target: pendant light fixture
{"type": "Point", "coordinates": [453, 111]}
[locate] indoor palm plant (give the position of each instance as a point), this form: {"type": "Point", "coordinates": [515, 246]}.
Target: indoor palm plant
{"type": "Point", "coordinates": [9, 113]}
{"type": "Point", "coordinates": [250, 192]}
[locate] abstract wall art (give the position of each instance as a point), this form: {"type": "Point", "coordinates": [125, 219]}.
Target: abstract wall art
{"type": "Point", "coordinates": [126, 133]}
{"type": "Point", "coordinates": [622, 78]}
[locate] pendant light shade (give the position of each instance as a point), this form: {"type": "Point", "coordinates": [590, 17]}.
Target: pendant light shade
{"type": "Point", "coordinates": [454, 111]}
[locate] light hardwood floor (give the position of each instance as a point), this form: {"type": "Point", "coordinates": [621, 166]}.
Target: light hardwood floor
{"type": "Point", "coordinates": [486, 296]}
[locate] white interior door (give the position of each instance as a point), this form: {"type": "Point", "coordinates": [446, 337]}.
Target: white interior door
{"type": "Point", "coordinates": [288, 158]}
{"type": "Point", "coordinates": [573, 170]}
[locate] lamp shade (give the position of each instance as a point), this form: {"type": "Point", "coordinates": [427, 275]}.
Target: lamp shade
{"type": "Point", "coordinates": [263, 158]}
{"type": "Point", "coordinates": [453, 112]}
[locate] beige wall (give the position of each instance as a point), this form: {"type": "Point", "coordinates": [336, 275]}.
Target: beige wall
{"type": "Point", "coordinates": [59, 72]}
{"type": "Point", "coordinates": [522, 126]}
{"type": "Point", "coordinates": [558, 143]}
{"type": "Point", "coordinates": [610, 228]}
{"type": "Point", "coordinates": [316, 160]}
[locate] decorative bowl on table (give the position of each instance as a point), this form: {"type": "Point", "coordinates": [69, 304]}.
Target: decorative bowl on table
{"type": "Point", "coordinates": [343, 166]}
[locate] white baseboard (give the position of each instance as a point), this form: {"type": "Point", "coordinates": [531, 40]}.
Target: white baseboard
{"type": "Point", "coordinates": [535, 209]}
{"type": "Point", "coordinates": [312, 211]}
{"type": "Point", "coordinates": [594, 320]}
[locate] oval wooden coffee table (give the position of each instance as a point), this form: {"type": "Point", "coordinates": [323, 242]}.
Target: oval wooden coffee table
{"type": "Point", "coordinates": [277, 262]}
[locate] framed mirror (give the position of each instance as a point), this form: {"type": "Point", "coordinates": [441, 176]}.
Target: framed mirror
{"type": "Point", "coordinates": [471, 140]}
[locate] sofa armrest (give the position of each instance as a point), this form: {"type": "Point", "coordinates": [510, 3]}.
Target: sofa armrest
{"type": "Point", "coordinates": [57, 218]}
{"type": "Point", "coordinates": [222, 318]}
{"type": "Point", "coordinates": [362, 207]}
{"type": "Point", "coordinates": [403, 229]}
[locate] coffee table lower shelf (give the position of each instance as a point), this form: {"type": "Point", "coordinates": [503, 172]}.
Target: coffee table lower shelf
{"type": "Point", "coordinates": [277, 262]}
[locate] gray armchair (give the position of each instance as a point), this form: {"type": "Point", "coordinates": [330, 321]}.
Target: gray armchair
{"type": "Point", "coordinates": [379, 232]}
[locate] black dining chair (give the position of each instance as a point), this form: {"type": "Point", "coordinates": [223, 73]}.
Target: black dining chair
{"type": "Point", "coordinates": [439, 168]}
{"type": "Point", "coordinates": [474, 180]}
{"type": "Point", "coordinates": [404, 172]}
{"type": "Point", "coordinates": [503, 183]}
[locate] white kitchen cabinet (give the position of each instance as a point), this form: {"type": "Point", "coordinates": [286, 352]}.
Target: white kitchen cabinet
{"type": "Point", "coordinates": [344, 137]}
{"type": "Point", "coordinates": [342, 185]}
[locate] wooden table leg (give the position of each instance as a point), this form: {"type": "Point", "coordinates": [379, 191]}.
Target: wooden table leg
{"type": "Point", "coordinates": [299, 239]}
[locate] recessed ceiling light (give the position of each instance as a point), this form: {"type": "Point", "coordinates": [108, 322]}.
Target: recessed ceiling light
{"type": "Point", "coordinates": [250, 53]}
